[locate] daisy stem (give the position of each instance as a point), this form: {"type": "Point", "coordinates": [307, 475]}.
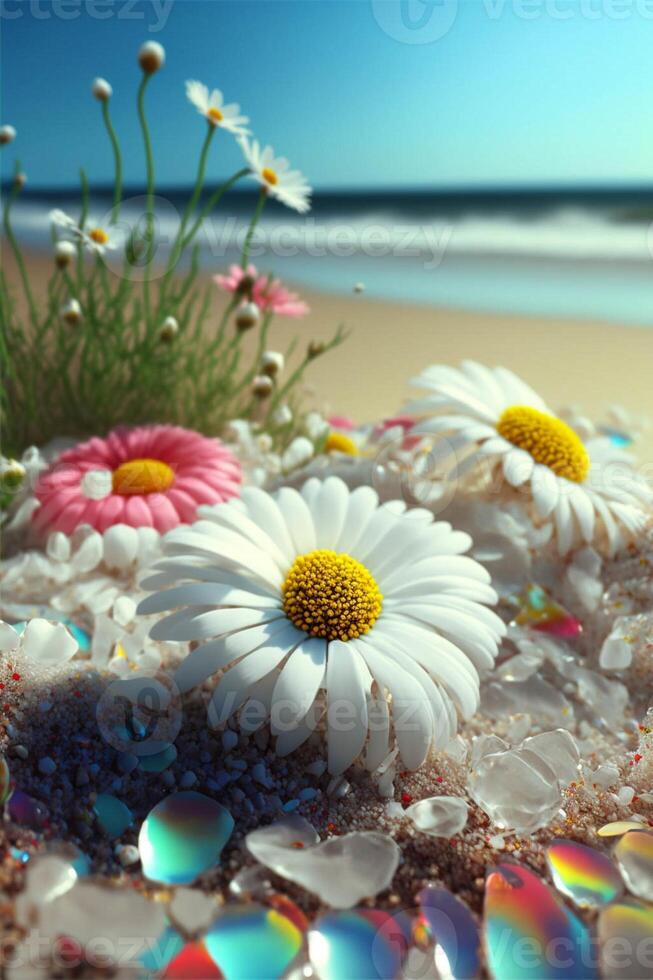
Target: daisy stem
{"type": "Point", "coordinates": [212, 202]}
{"type": "Point", "coordinates": [149, 205]}
{"type": "Point", "coordinates": [117, 190]}
{"type": "Point", "coordinates": [83, 179]}
{"type": "Point", "coordinates": [192, 203]}
{"type": "Point", "coordinates": [262, 198]}
{"type": "Point", "coordinates": [18, 255]}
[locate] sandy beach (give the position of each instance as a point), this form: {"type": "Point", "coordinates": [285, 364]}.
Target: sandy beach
{"type": "Point", "coordinates": [589, 365]}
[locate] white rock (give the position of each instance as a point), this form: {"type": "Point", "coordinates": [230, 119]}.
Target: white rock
{"type": "Point", "coordinates": [124, 610]}
{"type": "Point", "coordinates": [192, 910]}
{"type": "Point", "coordinates": [58, 546]}
{"type": "Point", "coordinates": [48, 643]}
{"type": "Point", "coordinates": [9, 638]}
{"type": "Point", "coordinates": [439, 816]}
{"type": "Point", "coordinates": [616, 652]}
{"type": "Point", "coordinates": [120, 545]}
{"type": "Point", "coordinates": [127, 854]}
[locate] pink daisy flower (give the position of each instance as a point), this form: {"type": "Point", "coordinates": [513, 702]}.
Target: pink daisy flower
{"type": "Point", "coordinates": [148, 476]}
{"type": "Point", "coordinates": [270, 295]}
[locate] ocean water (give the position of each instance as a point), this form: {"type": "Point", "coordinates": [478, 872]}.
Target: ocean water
{"type": "Point", "coordinates": [583, 254]}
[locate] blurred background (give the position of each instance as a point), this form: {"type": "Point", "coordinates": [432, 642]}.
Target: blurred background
{"type": "Point", "coordinates": [492, 156]}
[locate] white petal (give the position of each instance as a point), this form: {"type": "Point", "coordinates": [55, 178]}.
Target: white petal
{"type": "Point", "coordinates": [584, 511]}
{"type": "Point", "coordinates": [517, 467]}
{"type": "Point", "coordinates": [187, 625]}
{"type": "Point", "coordinates": [329, 511]}
{"type": "Point", "coordinates": [298, 684]}
{"type": "Point", "coordinates": [346, 705]}
{"type": "Point", "coordinates": [298, 519]}
{"type": "Point", "coordinates": [546, 490]}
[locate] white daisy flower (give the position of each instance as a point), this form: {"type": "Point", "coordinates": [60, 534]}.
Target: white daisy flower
{"type": "Point", "coordinates": [489, 416]}
{"type": "Point", "coordinates": [211, 105]}
{"type": "Point", "coordinates": [324, 590]}
{"type": "Point", "coordinates": [288, 186]}
{"type": "Point", "coordinates": [95, 238]}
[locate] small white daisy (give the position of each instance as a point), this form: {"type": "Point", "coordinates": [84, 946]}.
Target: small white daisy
{"type": "Point", "coordinates": [325, 600]}
{"type": "Point", "coordinates": [211, 106]}
{"type": "Point", "coordinates": [288, 186]}
{"type": "Point", "coordinates": [489, 416]}
{"type": "Point", "coordinates": [94, 237]}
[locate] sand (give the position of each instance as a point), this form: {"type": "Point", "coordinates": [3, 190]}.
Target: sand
{"type": "Point", "coordinates": [582, 363]}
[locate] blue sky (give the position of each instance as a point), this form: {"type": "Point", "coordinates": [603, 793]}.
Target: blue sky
{"type": "Point", "coordinates": [514, 91]}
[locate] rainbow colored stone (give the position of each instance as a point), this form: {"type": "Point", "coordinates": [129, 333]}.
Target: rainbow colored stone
{"type": "Point", "coordinates": [625, 932]}
{"type": "Point", "coordinates": [248, 941]}
{"type": "Point", "coordinates": [540, 612]}
{"type": "Point", "coordinates": [634, 854]}
{"type": "Point", "coordinates": [360, 944]}
{"type": "Point", "coordinates": [618, 827]}
{"type": "Point", "coordinates": [583, 874]}
{"type": "Point", "coordinates": [182, 837]}
{"type": "Point", "coordinates": [192, 963]}
{"type": "Point", "coordinates": [446, 922]}
{"type": "Point", "coordinates": [529, 934]}
{"type": "Point", "coordinates": [5, 781]}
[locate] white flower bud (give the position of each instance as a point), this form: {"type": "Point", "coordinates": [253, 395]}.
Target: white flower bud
{"type": "Point", "coordinates": [12, 475]}
{"type": "Point", "coordinates": [64, 253]}
{"type": "Point", "coordinates": [101, 89]}
{"type": "Point", "coordinates": [299, 451]}
{"type": "Point", "coordinates": [359, 287]}
{"type": "Point", "coordinates": [151, 57]}
{"type": "Point", "coordinates": [169, 330]}
{"type": "Point", "coordinates": [272, 363]}
{"type": "Point", "coordinates": [7, 135]}
{"type": "Point", "coordinates": [20, 179]}
{"type": "Point", "coordinates": [262, 386]}
{"type": "Point", "coordinates": [71, 312]}
{"type": "Point", "coordinates": [283, 415]}
{"type": "Point", "coordinates": [247, 316]}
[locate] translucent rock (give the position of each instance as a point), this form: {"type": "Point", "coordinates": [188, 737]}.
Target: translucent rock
{"type": "Point", "coordinates": [545, 702]}
{"type": "Point", "coordinates": [521, 788]}
{"type": "Point", "coordinates": [48, 877]}
{"type": "Point", "coordinates": [618, 827]}
{"type": "Point", "coordinates": [58, 546]}
{"type": "Point", "coordinates": [340, 870]}
{"type": "Point", "coordinates": [634, 854]}
{"type": "Point", "coordinates": [617, 649]}
{"type": "Point", "coordinates": [9, 638]}
{"type": "Point", "coordinates": [124, 610]}
{"type": "Point", "coordinates": [439, 816]}
{"type": "Point", "coordinates": [49, 644]}
{"type": "Point", "coordinates": [624, 932]}
{"type": "Point", "coordinates": [88, 554]}
{"type": "Point", "coordinates": [88, 911]}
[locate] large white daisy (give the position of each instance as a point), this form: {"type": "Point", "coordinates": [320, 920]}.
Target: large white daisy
{"type": "Point", "coordinates": [211, 105]}
{"type": "Point", "coordinates": [273, 174]}
{"type": "Point", "coordinates": [325, 600]}
{"type": "Point", "coordinates": [490, 416]}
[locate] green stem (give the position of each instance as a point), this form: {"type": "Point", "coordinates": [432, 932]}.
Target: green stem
{"type": "Point", "coordinates": [252, 225]}
{"type": "Point", "coordinates": [18, 255]}
{"type": "Point", "coordinates": [192, 203]}
{"type": "Point", "coordinates": [212, 202]}
{"type": "Point", "coordinates": [117, 190]}
{"type": "Point", "coordinates": [149, 201]}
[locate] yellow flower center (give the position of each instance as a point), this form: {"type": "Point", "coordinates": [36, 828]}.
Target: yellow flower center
{"type": "Point", "coordinates": [99, 236]}
{"type": "Point", "coordinates": [338, 442]}
{"type": "Point", "coordinates": [214, 115]}
{"type": "Point", "coordinates": [141, 476]}
{"type": "Point", "coordinates": [331, 595]}
{"type": "Point", "coordinates": [549, 440]}
{"type": "Point", "coordinates": [270, 175]}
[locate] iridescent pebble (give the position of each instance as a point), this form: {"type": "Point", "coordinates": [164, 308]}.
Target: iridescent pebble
{"type": "Point", "coordinates": [586, 876]}
{"type": "Point", "coordinates": [193, 962]}
{"type": "Point", "coordinates": [182, 837]}
{"type": "Point", "coordinates": [113, 816]}
{"type": "Point", "coordinates": [439, 816]}
{"type": "Point", "coordinates": [624, 932]}
{"type": "Point", "coordinates": [159, 761]}
{"type": "Point", "coordinates": [634, 854]}
{"type": "Point", "coordinates": [618, 827]}
{"type": "Point", "coordinates": [445, 921]}
{"type": "Point", "coordinates": [524, 923]}
{"type": "Point", "coordinates": [254, 941]}
{"type": "Point", "coordinates": [359, 944]}
{"type": "Point", "coordinates": [5, 781]}
{"type": "Point", "coordinates": [340, 870]}
{"type": "Point", "coordinates": [26, 811]}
